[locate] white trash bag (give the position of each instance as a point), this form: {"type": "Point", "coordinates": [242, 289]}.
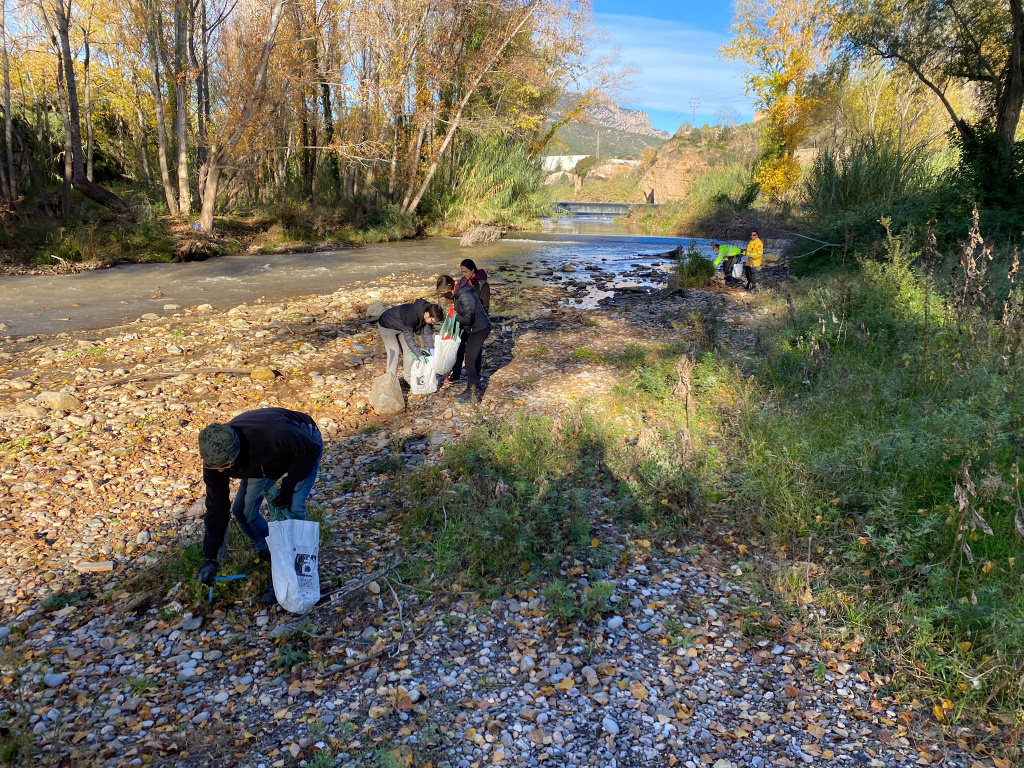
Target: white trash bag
{"type": "Point", "coordinates": [446, 347]}
{"type": "Point", "coordinates": [294, 553]}
{"type": "Point", "coordinates": [422, 378]}
{"type": "Point", "coordinates": [737, 270]}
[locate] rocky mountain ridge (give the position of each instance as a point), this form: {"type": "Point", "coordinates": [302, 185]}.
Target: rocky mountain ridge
{"type": "Point", "coordinates": [624, 119]}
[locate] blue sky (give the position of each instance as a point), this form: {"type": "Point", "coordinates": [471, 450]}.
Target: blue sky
{"type": "Point", "coordinates": [675, 45]}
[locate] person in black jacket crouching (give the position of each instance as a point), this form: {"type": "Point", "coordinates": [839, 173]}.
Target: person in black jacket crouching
{"type": "Point", "coordinates": [261, 448]}
{"type": "Point", "coordinates": [476, 326]}
{"type": "Point", "coordinates": [398, 327]}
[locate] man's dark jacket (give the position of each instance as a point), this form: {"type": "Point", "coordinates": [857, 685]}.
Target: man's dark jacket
{"type": "Point", "coordinates": [408, 318]}
{"type": "Point", "coordinates": [273, 442]}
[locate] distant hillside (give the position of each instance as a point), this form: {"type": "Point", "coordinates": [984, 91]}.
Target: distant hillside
{"type": "Point", "coordinates": [693, 152]}
{"type": "Point", "coordinates": [622, 119]}
{"type": "Point", "coordinates": [577, 139]}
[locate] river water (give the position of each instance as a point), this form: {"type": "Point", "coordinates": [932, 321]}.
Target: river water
{"type": "Point", "coordinates": [45, 304]}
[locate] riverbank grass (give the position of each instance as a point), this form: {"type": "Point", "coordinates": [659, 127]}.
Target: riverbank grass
{"type": "Point", "coordinates": [46, 242]}
{"type": "Point", "coordinates": [861, 462]}
{"type": "Point", "coordinates": [102, 241]}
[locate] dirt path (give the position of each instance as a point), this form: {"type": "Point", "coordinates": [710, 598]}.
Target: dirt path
{"type": "Point", "coordinates": [117, 669]}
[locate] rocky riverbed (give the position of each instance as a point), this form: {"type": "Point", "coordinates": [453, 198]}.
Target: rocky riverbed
{"type": "Point", "coordinates": [100, 485]}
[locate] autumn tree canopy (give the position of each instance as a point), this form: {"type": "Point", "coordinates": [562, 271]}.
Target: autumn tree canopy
{"type": "Point", "coordinates": [205, 105]}
{"type": "Point", "coordinates": [784, 43]}
{"type": "Point", "coordinates": [945, 44]}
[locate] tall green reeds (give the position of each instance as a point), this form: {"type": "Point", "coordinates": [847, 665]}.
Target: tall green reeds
{"type": "Point", "coordinates": [497, 181]}
{"type": "Point", "coordinates": [874, 173]}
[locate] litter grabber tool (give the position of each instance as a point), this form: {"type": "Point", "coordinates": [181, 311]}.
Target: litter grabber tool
{"type": "Point", "coordinates": [236, 577]}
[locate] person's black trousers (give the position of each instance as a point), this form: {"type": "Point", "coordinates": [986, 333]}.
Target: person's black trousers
{"type": "Point", "coordinates": [751, 274]}
{"type": "Point", "coordinates": [459, 357]}
{"type": "Point", "coordinates": [475, 354]}
{"type": "Point", "coordinates": [727, 266]}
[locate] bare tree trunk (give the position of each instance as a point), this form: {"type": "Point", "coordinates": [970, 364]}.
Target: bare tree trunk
{"type": "Point", "coordinates": [65, 189]}
{"type": "Point", "coordinates": [6, 189]}
{"type": "Point", "coordinates": [328, 116]}
{"type": "Point", "coordinates": [219, 155]}
{"type": "Point", "coordinates": [414, 162]}
{"type": "Point", "coordinates": [1011, 99]}
{"type": "Point", "coordinates": [393, 167]}
{"type": "Point", "coordinates": [456, 119]}
{"type": "Point", "coordinates": [305, 156]}
{"type": "Point", "coordinates": [93, 191]}
{"type": "Point", "coordinates": [12, 183]}
{"type": "Point", "coordinates": [143, 141]}
{"type": "Point", "coordinates": [158, 108]}
{"type": "Point", "coordinates": [181, 106]}
{"type": "Point", "coordinates": [202, 88]}
{"type": "Point", "coordinates": [87, 73]}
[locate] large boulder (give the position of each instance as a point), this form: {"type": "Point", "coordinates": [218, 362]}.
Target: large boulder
{"type": "Point", "coordinates": [59, 401]}
{"type": "Point", "coordinates": [263, 373]}
{"type": "Point", "coordinates": [386, 395]}
{"type": "Point", "coordinates": [375, 310]}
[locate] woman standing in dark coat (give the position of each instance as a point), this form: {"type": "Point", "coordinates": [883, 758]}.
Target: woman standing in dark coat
{"type": "Point", "coordinates": [478, 279]}
{"type": "Point", "coordinates": [476, 326]}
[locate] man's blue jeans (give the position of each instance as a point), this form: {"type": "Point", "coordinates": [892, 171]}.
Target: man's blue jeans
{"type": "Point", "coordinates": [249, 500]}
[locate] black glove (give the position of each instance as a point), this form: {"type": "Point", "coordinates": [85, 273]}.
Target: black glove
{"type": "Point", "coordinates": [283, 500]}
{"type": "Point", "coordinates": [208, 573]}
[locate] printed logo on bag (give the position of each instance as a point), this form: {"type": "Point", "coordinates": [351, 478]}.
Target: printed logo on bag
{"type": "Point", "coordinates": [305, 565]}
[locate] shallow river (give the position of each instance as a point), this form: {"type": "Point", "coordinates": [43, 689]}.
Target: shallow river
{"type": "Point", "coordinates": [44, 304]}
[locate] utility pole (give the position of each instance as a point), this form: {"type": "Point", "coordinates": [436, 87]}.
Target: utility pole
{"type": "Point", "coordinates": [693, 106]}
{"type": "Point", "coordinates": [598, 143]}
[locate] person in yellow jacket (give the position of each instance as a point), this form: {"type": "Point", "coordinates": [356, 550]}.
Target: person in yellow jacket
{"type": "Point", "coordinates": [754, 252]}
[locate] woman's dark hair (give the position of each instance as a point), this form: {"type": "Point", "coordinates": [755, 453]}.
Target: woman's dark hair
{"type": "Point", "coordinates": [468, 264]}
{"type": "Point", "coordinates": [436, 312]}
{"type": "Point", "coordinates": [445, 283]}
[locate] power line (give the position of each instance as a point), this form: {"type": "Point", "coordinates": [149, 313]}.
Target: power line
{"type": "Point", "coordinates": [693, 106]}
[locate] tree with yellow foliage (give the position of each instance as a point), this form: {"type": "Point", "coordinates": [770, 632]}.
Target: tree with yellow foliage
{"type": "Point", "coordinates": [231, 105]}
{"type": "Point", "coordinates": [784, 43]}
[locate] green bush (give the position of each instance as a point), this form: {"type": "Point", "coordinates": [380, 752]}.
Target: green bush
{"type": "Point", "coordinates": [354, 220]}
{"type": "Point", "coordinates": [509, 495]}
{"type": "Point", "coordinates": [513, 499]}
{"type": "Point", "coordinates": [694, 269]}
{"type": "Point", "coordinates": [584, 166]}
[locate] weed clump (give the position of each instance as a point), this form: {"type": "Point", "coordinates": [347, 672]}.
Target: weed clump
{"type": "Point", "coordinates": [693, 269]}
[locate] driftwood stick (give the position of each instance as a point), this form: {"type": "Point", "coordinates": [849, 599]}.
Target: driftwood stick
{"type": "Point", "coordinates": [153, 375]}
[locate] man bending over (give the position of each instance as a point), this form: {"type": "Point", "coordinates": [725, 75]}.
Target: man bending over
{"type": "Point", "coordinates": [260, 447]}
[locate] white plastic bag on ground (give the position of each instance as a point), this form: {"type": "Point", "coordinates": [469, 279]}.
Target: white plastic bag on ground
{"type": "Point", "coordinates": [423, 381]}
{"type": "Point", "coordinates": [446, 347]}
{"type": "Point", "coordinates": [294, 554]}
{"type": "Point", "coordinates": [737, 270]}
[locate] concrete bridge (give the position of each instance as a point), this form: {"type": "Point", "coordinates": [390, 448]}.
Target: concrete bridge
{"type": "Point", "coordinates": [606, 210]}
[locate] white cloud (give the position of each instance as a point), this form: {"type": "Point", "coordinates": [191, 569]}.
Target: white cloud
{"type": "Point", "coordinates": [677, 62]}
